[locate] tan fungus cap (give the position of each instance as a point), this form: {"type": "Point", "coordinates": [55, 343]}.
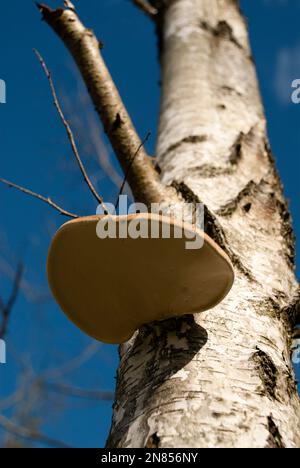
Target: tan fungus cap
{"type": "Point", "coordinates": [110, 287]}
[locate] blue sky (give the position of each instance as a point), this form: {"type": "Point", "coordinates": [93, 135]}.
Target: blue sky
{"type": "Point", "coordinates": [35, 153]}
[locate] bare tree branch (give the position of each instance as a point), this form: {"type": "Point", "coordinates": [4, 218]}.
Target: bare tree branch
{"type": "Point", "coordinates": [7, 309]}
{"type": "Point", "coordinates": [146, 8]}
{"type": "Point", "coordinates": [33, 292]}
{"type": "Point", "coordinates": [2, 305]}
{"type": "Point", "coordinates": [71, 391]}
{"type": "Point", "coordinates": [12, 399]}
{"type": "Point", "coordinates": [85, 49]}
{"type": "Point", "coordinates": [68, 130]}
{"type": "Point", "coordinates": [39, 197]}
{"type": "Point", "coordinates": [29, 434]}
{"type": "Point", "coordinates": [101, 151]}
{"type": "Point", "coordinates": [74, 364]}
{"type": "Point", "coordinates": [87, 126]}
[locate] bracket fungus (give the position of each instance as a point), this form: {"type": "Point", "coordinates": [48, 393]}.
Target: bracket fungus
{"type": "Point", "coordinates": [110, 286]}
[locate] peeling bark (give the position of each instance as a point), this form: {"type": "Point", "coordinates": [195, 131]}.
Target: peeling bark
{"type": "Point", "coordinates": [222, 378]}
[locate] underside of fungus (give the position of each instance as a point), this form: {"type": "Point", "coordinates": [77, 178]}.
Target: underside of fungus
{"type": "Point", "coordinates": [145, 269]}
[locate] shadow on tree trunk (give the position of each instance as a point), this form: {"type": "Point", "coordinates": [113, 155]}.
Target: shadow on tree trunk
{"type": "Point", "coordinates": [174, 342]}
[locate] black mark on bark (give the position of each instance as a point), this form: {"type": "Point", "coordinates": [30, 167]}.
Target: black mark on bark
{"type": "Point", "coordinates": [234, 158]}
{"type": "Point", "coordinates": [187, 194]}
{"type": "Point", "coordinates": [222, 30]}
{"type": "Point", "coordinates": [153, 441]}
{"type": "Point", "coordinates": [190, 139]}
{"type": "Point", "coordinates": [165, 348]}
{"type": "Point", "coordinates": [236, 150]}
{"type": "Point", "coordinates": [157, 168]}
{"type": "Point", "coordinates": [247, 207]}
{"type": "Point", "coordinates": [229, 89]}
{"type": "Point", "coordinates": [229, 208]}
{"type": "Point", "coordinates": [268, 307]}
{"type": "Point", "coordinates": [275, 438]}
{"type": "Point", "coordinates": [212, 227]}
{"type": "Point", "coordinates": [286, 230]}
{"type": "Point", "coordinates": [292, 312]}
{"type": "Point", "coordinates": [208, 171]}
{"type": "Point", "coordinates": [267, 372]}
{"type": "Point", "coordinates": [117, 123]}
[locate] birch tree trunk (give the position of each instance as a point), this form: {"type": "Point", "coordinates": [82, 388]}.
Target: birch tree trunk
{"type": "Point", "coordinates": [222, 378]}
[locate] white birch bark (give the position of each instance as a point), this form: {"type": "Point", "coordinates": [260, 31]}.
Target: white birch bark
{"type": "Point", "coordinates": [222, 378]}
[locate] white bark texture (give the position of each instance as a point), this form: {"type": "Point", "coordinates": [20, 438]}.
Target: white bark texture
{"type": "Point", "coordinates": [222, 378]}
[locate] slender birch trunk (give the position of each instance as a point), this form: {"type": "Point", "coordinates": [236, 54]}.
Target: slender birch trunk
{"type": "Point", "coordinates": [222, 378]}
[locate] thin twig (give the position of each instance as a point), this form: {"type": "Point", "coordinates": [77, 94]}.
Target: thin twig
{"type": "Point", "coordinates": [34, 293]}
{"type": "Point", "coordinates": [2, 305]}
{"type": "Point", "coordinates": [70, 391]}
{"type": "Point", "coordinates": [146, 8]}
{"type": "Point", "coordinates": [101, 152]}
{"type": "Point", "coordinates": [129, 168]}
{"type": "Point", "coordinates": [68, 130]}
{"type": "Point", "coordinates": [7, 309]}
{"type": "Point", "coordinates": [12, 399]}
{"type": "Point", "coordinates": [40, 197]}
{"type": "Point", "coordinates": [67, 368]}
{"type": "Point", "coordinates": [29, 434]}
{"type": "Point", "coordinates": [89, 128]}
{"type": "Point", "coordinates": [85, 48]}
{"type": "Point", "coordinates": [16, 287]}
